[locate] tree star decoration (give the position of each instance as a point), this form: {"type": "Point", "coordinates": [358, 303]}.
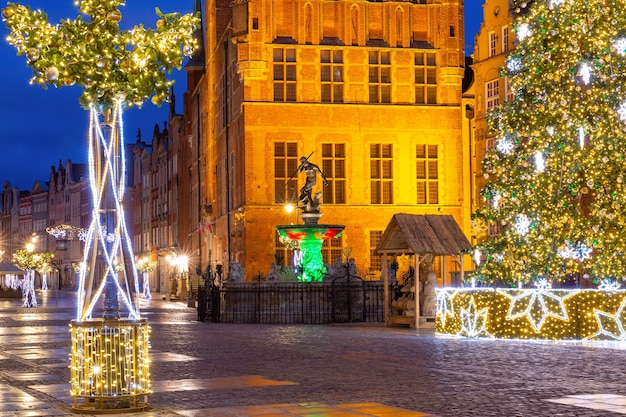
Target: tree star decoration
{"type": "Point", "coordinates": [91, 51]}
{"type": "Point", "coordinates": [537, 305]}
{"type": "Point", "coordinates": [474, 321]}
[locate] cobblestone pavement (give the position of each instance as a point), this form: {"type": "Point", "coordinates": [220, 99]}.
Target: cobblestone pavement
{"type": "Point", "coordinates": [227, 370]}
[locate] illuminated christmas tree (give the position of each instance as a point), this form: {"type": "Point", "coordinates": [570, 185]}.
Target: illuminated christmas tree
{"type": "Point", "coordinates": [557, 173]}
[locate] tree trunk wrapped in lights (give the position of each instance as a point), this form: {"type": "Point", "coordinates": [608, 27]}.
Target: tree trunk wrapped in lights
{"type": "Point", "coordinates": [117, 69]}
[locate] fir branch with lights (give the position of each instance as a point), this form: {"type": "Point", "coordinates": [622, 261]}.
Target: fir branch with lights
{"type": "Point", "coordinates": [91, 51]}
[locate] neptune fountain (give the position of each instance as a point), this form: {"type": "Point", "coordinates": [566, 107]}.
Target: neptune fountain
{"type": "Point", "coordinates": [310, 235]}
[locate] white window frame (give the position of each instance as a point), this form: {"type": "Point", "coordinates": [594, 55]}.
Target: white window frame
{"type": "Point", "coordinates": [505, 39]}
{"type": "Point", "coordinates": [492, 43]}
{"type": "Point", "coordinates": [492, 94]}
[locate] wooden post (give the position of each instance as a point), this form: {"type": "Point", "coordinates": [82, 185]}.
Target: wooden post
{"type": "Point", "coordinates": [417, 291]}
{"type": "Point", "coordinates": [386, 289]}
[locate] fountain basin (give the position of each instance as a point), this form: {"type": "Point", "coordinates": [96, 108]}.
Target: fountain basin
{"type": "Point", "coordinates": [310, 238]}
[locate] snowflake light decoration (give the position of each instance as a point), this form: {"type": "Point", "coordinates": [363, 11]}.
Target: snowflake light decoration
{"type": "Point", "coordinates": [523, 31]}
{"type": "Point", "coordinates": [609, 285]}
{"type": "Point", "coordinates": [622, 111]}
{"type": "Point", "coordinates": [585, 73]}
{"type": "Point", "coordinates": [543, 284]}
{"type": "Point", "coordinates": [514, 64]}
{"type": "Point", "coordinates": [620, 45]}
{"type": "Point", "coordinates": [577, 251]}
{"type": "Point", "coordinates": [522, 225]}
{"type": "Point", "coordinates": [505, 145]}
{"type": "Point", "coordinates": [474, 321]}
{"type": "Point", "coordinates": [540, 163]}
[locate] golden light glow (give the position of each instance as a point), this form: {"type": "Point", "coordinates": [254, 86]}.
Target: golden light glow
{"type": "Point", "coordinates": [110, 359]}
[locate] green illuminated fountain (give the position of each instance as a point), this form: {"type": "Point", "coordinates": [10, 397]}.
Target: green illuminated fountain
{"type": "Point", "coordinates": [310, 236]}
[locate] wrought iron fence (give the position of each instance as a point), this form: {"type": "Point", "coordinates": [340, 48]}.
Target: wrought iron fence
{"type": "Point", "coordinates": [335, 301]}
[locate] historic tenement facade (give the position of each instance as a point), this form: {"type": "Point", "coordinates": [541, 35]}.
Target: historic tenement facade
{"type": "Point", "coordinates": [372, 91]}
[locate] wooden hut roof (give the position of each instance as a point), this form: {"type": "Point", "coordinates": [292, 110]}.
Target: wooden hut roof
{"type": "Point", "coordinates": [423, 234]}
{"type": "Point", "coordinates": [7, 268]}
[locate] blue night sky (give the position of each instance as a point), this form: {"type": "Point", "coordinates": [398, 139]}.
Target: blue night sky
{"type": "Point", "coordinates": [40, 127]}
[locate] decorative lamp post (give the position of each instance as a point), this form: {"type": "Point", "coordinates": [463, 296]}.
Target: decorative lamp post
{"type": "Point", "coordinates": [117, 69]}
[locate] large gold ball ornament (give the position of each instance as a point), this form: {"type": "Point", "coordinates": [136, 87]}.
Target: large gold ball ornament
{"type": "Point", "coordinates": [157, 100]}
{"type": "Point", "coordinates": [114, 16]}
{"type": "Point", "coordinates": [8, 12]}
{"type": "Point", "coordinates": [52, 74]}
{"type": "Point", "coordinates": [32, 54]}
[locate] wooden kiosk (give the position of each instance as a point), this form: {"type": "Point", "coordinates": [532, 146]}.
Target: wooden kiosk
{"type": "Point", "coordinates": [419, 235]}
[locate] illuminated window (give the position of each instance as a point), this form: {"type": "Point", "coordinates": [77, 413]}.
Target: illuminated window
{"type": "Point", "coordinates": [505, 39]}
{"type": "Point", "coordinates": [285, 164]}
{"type": "Point", "coordinates": [508, 92]}
{"type": "Point", "coordinates": [331, 250]}
{"type": "Point", "coordinates": [492, 44]}
{"type": "Point", "coordinates": [379, 77]}
{"type": "Point", "coordinates": [381, 173]}
{"type": "Point", "coordinates": [425, 78]}
{"type": "Point", "coordinates": [284, 74]}
{"type": "Point", "coordinates": [375, 259]}
{"type": "Point", "coordinates": [332, 75]}
{"type": "Point", "coordinates": [494, 228]}
{"type": "Point", "coordinates": [492, 92]}
{"type": "Point", "coordinates": [334, 168]}
{"type": "Point", "coordinates": [427, 174]}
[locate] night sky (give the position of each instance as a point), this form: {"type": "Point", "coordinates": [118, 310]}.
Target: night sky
{"type": "Point", "coordinates": [39, 128]}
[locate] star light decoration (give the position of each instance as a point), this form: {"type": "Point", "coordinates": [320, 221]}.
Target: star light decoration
{"type": "Point", "coordinates": [474, 321]}
{"type": "Point", "coordinates": [536, 305]}
{"type": "Point", "coordinates": [445, 306]}
{"type": "Point", "coordinates": [611, 326]}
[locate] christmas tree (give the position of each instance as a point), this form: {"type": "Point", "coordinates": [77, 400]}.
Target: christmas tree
{"type": "Point", "coordinates": [557, 173]}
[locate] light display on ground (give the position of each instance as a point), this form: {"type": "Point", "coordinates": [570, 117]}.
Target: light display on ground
{"type": "Point", "coordinates": [109, 364]}
{"type": "Point", "coordinates": [117, 69]}
{"type": "Point", "coordinates": [541, 314]}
